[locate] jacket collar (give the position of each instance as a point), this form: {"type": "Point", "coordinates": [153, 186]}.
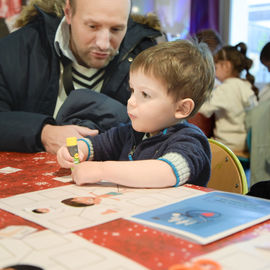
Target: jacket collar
{"type": "Point", "coordinates": [138, 136]}
{"type": "Point", "coordinates": [135, 33]}
{"type": "Point", "coordinates": [51, 23]}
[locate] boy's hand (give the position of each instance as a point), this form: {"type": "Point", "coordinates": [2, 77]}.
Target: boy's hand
{"type": "Point", "coordinates": [64, 158]}
{"type": "Point", "coordinates": [87, 172]}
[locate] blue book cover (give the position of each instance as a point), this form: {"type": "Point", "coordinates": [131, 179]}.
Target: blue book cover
{"type": "Point", "coordinates": [208, 217]}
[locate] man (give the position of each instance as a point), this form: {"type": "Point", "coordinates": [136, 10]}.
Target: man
{"type": "Point", "coordinates": [97, 37]}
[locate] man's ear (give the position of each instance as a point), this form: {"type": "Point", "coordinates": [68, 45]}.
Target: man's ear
{"type": "Point", "coordinates": [68, 12]}
{"type": "Point", "coordinates": [184, 108]}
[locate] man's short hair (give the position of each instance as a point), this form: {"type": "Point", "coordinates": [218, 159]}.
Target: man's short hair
{"type": "Point", "coordinates": [73, 5]}
{"type": "Point", "coordinates": [185, 67]}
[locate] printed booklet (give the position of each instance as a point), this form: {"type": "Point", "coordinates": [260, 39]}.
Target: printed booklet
{"type": "Point", "coordinates": [208, 217]}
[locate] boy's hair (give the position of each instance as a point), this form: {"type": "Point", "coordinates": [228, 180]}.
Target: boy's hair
{"type": "Point", "coordinates": [186, 68]}
{"type": "Point", "coordinates": [240, 62]}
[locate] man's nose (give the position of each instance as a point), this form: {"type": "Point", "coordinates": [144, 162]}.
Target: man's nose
{"type": "Point", "coordinates": [103, 39]}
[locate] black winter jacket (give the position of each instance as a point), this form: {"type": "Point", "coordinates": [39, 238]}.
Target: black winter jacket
{"type": "Point", "coordinates": [29, 78]}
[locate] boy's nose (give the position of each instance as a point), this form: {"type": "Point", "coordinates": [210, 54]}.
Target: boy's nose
{"type": "Point", "coordinates": [132, 101]}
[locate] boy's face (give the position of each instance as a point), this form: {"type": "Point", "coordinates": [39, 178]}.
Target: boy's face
{"type": "Point", "coordinates": [150, 109]}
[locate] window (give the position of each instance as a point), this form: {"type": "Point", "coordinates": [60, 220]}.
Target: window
{"type": "Point", "coordinates": [250, 23]}
{"type": "Point", "coordinates": [174, 15]}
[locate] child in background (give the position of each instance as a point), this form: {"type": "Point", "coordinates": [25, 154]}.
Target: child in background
{"type": "Point", "coordinates": [230, 101]}
{"type": "Point", "coordinates": [215, 43]}
{"type": "Point", "coordinates": [211, 38]}
{"type": "Point", "coordinates": [264, 94]}
{"type": "Point", "coordinates": [265, 56]}
{"type": "Point", "coordinates": [257, 121]}
{"type": "Point", "coordinates": [168, 83]}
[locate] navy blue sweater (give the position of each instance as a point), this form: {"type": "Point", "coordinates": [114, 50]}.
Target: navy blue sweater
{"type": "Point", "coordinates": [183, 138]}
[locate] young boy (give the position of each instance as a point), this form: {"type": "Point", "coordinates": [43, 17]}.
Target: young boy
{"type": "Point", "coordinates": [168, 83]}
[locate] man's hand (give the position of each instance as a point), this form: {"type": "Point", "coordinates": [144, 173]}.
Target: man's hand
{"type": "Point", "coordinates": [53, 137]}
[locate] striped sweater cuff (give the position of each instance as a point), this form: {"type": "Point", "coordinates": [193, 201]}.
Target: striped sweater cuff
{"type": "Point", "coordinates": [179, 166]}
{"type": "Point", "coordinates": [89, 144]}
{"type": "Point", "coordinates": [91, 157]}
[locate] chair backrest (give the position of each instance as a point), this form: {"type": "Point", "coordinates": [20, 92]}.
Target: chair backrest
{"type": "Point", "coordinates": [227, 173]}
{"type": "Point", "coordinates": [244, 157]}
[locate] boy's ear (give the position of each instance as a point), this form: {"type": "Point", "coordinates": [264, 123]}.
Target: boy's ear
{"type": "Point", "coordinates": [184, 108]}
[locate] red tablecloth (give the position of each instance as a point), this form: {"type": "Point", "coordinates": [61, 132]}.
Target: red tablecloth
{"type": "Point", "coordinates": [152, 248]}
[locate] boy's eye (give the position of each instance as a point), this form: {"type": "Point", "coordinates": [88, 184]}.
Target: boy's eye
{"type": "Point", "coordinates": [131, 90]}
{"type": "Point", "coordinates": [145, 95]}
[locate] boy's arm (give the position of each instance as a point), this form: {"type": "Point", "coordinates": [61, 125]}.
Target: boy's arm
{"type": "Point", "coordinates": [141, 173]}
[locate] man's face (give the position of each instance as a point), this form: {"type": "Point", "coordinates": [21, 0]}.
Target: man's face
{"type": "Point", "coordinates": [97, 29]}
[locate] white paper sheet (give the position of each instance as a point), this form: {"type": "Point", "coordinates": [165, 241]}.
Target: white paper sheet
{"type": "Point", "coordinates": [246, 255]}
{"type": "Point", "coordinates": [52, 251]}
{"type": "Point", "coordinates": [112, 202]}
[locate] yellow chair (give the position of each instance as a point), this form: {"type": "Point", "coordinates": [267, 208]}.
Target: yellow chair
{"type": "Point", "coordinates": [227, 173]}
{"type": "Point", "coordinates": [244, 157]}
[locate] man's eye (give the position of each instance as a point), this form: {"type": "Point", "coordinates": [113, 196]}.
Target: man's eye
{"type": "Point", "coordinates": [117, 29]}
{"type": "Point", "coordinates": [92, 26]}
{"type": "Point", "coordinates": [131, 90]}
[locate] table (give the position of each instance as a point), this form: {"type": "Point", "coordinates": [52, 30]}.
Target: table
{"type": "Point", "coordinates": [151, 248]}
